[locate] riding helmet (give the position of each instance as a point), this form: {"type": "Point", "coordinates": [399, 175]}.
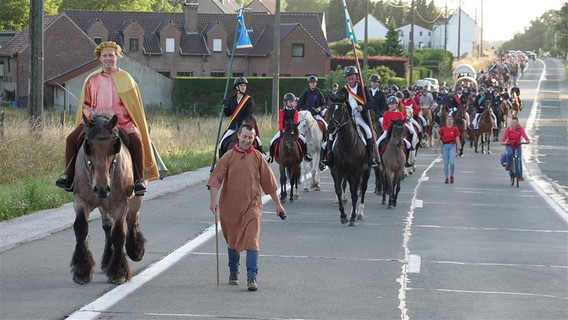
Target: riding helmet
{"type": "Point", "coordinates": [406, 93]}
{"type": "Point", "coordinates": [392, 100]}
{"type": "Point", "coordinates": [350, 70]}
{"type": "Point", "coordinates": [312, 78]}
{"type": "Point", "coordinates": [458, 88]}
{"type": "Point", "coordinates": [399, 95]}
{"type": "Point", "coordinates": [289, 97]}
{"type": "Point", "coordinates": [240, 80]}
{"type": "Point", "coordinates": [335, 85]}
{"type": "Point", "coordinates": [394, 87]}
{"type": "Point", "coordinates": [375, 77]}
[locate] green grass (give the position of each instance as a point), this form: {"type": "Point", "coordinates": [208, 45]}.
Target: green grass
{"type": "Point", "coordinates": [30, 162]}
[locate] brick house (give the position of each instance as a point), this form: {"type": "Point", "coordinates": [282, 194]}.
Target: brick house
{"type": "Point", "coordinates": [172, 44]}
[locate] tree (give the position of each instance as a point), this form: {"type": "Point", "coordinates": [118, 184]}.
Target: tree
{"type": "Point", "coordinates": [306, 6]}
{"type": "Point", "coordinates": [393, 47]}
{"type": "Point", "coordinates": [14, 14]}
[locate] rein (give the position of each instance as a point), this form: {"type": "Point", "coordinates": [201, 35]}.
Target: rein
{"type": "Point", "coordinates": [340, 125]}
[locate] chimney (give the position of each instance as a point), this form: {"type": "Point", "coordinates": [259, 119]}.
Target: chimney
{"type": "Point", "coordinates": [247, 14]}
{"type": "Point", "coordinates": [190, 17]}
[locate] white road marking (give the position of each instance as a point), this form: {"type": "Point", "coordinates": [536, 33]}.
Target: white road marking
{"type": "Point", "coordinates": [418, 203]}
{"type": "Point", "coordinates": [414, 263]}
{"type": "Point", "coordinates": [493, 292]}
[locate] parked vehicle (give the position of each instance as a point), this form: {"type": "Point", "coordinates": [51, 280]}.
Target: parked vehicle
{"type": "Point", "coordinates": [435, 84]}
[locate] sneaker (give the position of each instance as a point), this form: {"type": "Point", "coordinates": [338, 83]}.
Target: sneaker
{"type": "Point", "coordinates": [139, 188]}
{"type": "Point", "coordinates": [373, 163]}
{"type": "Point", "coordinates": [322, 166]}
{"type": "Point", "coordinates": [452, 179]}
{"type": "Point", "coordinates": [408, 164]}
{"type": "Point", "coordinates": [507, 168]}
{"type": "Point", "coordinates": [252, 285]}
{"type": "Point", "coordinates": [307, 158]}
{"type": "Point", "coordinates": [234, 279]}
{"type": "Point", "coordinates": [447, 181]}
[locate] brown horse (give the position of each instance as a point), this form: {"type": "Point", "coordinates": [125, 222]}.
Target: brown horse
{"type": "Point", "coordinates": [232, 140]}
{"type": "Point", "coordinates": [104, 180]}
{"type": "Point", "coordinates": [289, 158]}
{"type": "Point", "coordinates": [393, 159]}
{"type": "Point", "coordinates": [485, 129]}
{"type": "Point", "coordinates": [516, 105]}
{"type": "Point", "coordinates": [506, 111]}
{"type": "Point", "coordinates": [460, 120]}
{"type": "Point", "coordinates": [427, 134]}
{"type": "Point", "coordinates": [351, 164]}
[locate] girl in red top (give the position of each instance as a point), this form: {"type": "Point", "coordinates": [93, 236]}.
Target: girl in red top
{"type": "Point", "coordinates": [512, 139]}
{"type": "Point", "coordinates": [391, 114]}
{"type": "Point", "coordinates": [449, 135]}
{"type": "Point", "coordinates": [289, 113]}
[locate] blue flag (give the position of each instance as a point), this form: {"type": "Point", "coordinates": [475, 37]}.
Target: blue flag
{"type": "Point", "coordinates": [348, 25]}
{"type": "Point", "coordinates": [243, 40]}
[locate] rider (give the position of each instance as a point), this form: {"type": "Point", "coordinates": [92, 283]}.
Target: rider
{"type": "Point", "coordinates": [239, 109]}
{"type": "Point", "coordinates": [480, 103]}
{"type": "Point", "coordinates": [393, 113]}
{"type": "Point", "coordinates": [288, 113]}
{"type": "Point", "coordinates": [360, 102]}
{"type": "Point", "coordinates": [101, 93]}
{"type": "Point", "coordinates": [457, 100]}
{"type": "Point", "coordinates": [515, 89]}
{"type": "Point", "coordinates": [379, 99]}
{"type": "Point", "coordinates": [406, 102]}
{"type": "Point", "coordinates": [334, 97]}
{"type": "Point", "coordinates": [512, 137]}
{"type": "Point", "coordinates": [313, 100]}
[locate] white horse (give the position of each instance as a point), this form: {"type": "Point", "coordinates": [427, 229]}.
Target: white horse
{"type": "Point", "coordinates": [310, 129]}
{"type": "Point", "coordinates": [412, 124]}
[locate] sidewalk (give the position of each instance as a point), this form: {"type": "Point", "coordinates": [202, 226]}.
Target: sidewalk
{"type": "Point", "coordinates": [43, 223]}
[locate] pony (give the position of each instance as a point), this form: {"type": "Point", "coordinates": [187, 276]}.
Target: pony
{"type": "Point", "coordinates": [484, 130]}
{"type": "Point", "coordinates": [351, 164]}
{"type": "Point", "coordinates": [506, 112]}
{"type": "Point", "coordinates": [515, 105]}
{"type": "Point", "coordinates": [288, 158]}
{"type": "Point", "coordinates": [427, 133]}
{"type": "Point", "coordinates": [104, 180]}
{"type": "Point", "coordinates": [414, 142]}
{"type": "Point", "coordinates": [310, 129]}
{"type": "Point", "coordinates": [393, 159]}
{"type": "Point", "coordinates": [499, 118]}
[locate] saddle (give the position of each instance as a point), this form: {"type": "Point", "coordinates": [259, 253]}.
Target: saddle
{"type": "Point", "coordinates": [277, 144]}
{"type": "Point", "coordinates": [322, 127]}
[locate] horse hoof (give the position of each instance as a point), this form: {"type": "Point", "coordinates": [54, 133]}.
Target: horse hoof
{"type": "Point", "coordinates": [389, 206]}
{"type": "Point", "coordinates": [383, 202]}
{"type": "Point", "coordinates": [118, 280]}
{"type": "Point", "coordinates": [352, 223]}
{"type": "Point", "coordinates": [360, 217]}
{"type": "Point", "coordinates": [344, 220]}
{"type": "Point", "coordinates": [488, 152]}
{"type": "Point", "coordinates": [81, 280]}
{"type": "Point", "coordinates": [318, 188]}
{"type": "Point", "coordinates": [306, 190]}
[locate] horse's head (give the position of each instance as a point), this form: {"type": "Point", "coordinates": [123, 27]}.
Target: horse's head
{"type": "Point", "coordinates": [396, 133]}
{"type": "Point", "coordinates": [290, 133]}
{"type": "Point", "coordinates": [101, 145]}
{"type": "Point", "coordinates": [338, 118]}
{"type": "Point", "coordinates": [408, 112]}
{"type": "Point", "coordinates": [305, 121]}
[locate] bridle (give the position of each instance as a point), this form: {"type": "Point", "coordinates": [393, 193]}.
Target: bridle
{"type": "Point", "coordinates": [338, 124]}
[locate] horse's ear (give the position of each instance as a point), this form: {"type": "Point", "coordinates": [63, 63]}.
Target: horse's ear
{"type": "Point", "coordinates": [114, 121]}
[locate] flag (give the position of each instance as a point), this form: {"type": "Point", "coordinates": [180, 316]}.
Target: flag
{"type": "Point", "coordinates": [243, 40]}
{"type": "Point", "coordinates": [348, 25]}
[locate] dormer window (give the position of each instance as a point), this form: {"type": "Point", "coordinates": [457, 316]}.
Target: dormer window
{"type": "Point", "coordinates": [133, 44]}
{"type": "Point", "coordinates": [170, 45]}
{"type": "Point", "coordinates": [217, 45]}
{"type": "Point", "coordinates": [98, 40]}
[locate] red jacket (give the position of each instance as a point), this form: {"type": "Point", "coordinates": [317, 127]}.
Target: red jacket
{"type": "Point", "coordinates": [389, 116]}
{"type": "Point", "coordinates": [410, 102]}
{"type": "Point", "coordinates": [512, 136]}
{"type": "Point", "coordinates": [281, 117]}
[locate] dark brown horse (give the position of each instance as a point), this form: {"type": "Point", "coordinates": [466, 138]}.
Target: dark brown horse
{"type": "Point", "coordinates": [460, 121]}
{"type": "Point", "coordinates": [515, 105]}
{"type": "Point", "coordinates": [484, 131]}
{"type": "Point", "coordinates": [351, 164]}
{"type": "Point", "coordinates": [104, 180]}
{"type": "Point", "coordinates": [289, 158]}
{"type": "Point", "coordinates": [393, 159]}
{"type": "Point", "coordinates": [232, 140]}
{"type": "Point", "coordinates": [427, 134]}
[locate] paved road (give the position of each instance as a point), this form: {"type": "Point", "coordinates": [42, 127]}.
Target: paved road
{"type": "Point", "coordinates": [477, 249]}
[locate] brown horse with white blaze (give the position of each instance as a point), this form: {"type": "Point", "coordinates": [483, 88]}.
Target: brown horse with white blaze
{"type": "Point", "coordinates": [104, 180]}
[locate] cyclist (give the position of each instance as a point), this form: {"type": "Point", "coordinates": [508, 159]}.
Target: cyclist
{"type": "Point", "coordinates": [512, 138]}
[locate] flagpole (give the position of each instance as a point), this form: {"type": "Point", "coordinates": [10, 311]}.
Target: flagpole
{"type": "Point", "coordinates": [352, 38]}
{"type": "Point", "coordinates": [214, 160]}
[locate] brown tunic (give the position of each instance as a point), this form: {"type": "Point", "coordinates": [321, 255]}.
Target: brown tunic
{"type": "Point", "coordinates": [240, 203]}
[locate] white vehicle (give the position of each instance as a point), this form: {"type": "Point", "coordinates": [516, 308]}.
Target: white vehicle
{"type": "Point", "coordinates": [435, 84]}
{"type": "Point", "coordinates": [424, 83]}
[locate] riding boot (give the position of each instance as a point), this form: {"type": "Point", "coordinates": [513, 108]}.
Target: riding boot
{"type": "Point", "coordinates": [370, 150]}
{"type": "Point", "coordinates": [135, 148]}
{"type": "Point", "coordinates": [408, 163]}
{"type": "Point", "coordinates": [72, 145]}
{"type": "Point", "coordinates": [307, 157]}
{"type": "Point", "coordinates": [327, 155]}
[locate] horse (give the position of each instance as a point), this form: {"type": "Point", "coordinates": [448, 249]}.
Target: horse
{"type": "Point", "coordinates": [288, 158]}
{"type": "Point", "coordinates": [393, 159]}
{"type": "Point", "coordinates": [351, 162]}
{"type": "Point", "coordinates": [104, 180]}
{"type": "Point", "coordinates": [499, 118]}
{"type": "Point", "coordinates": [427, 133]}
{"type": "Point", "coordinates": [460, 121]}
{"type": "Point", "coordinates": [414, 142]}
{"type": "Point", "coordinates": [232, 140]}
{"type": "Point", "coordinates": [310, 129]}
{"type": "Point", "coordinates": [515, 105]}
{"type": "Point", "coordinates": [485, 128]}
{"type": "Point", "coordinates": [506, 111]}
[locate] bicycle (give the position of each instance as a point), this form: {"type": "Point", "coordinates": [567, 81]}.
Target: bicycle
{"type": "Point", "coordinates": [514, 163]}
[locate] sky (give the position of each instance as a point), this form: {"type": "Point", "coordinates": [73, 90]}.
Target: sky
{"type": "Point", "coordinates": [496, 26]}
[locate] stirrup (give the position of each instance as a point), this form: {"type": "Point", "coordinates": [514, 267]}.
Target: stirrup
{"type": "Point", "coordinates": [65, 182]}
{"type": "Point", "coordinates": [139, 188]}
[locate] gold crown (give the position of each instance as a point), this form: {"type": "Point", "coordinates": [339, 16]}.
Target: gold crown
{"type": "Point", "coordinates": [105, 45]}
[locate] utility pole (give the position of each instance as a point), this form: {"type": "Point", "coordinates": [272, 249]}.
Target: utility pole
{"type": "Point", "coordinates": [459, 28]}
{"type": "Point", "coordinates": [446, 30]}
{"type": "Point", "coordinates": [35, 91]}
{"type": "Point", "coordinates": [366, 43]}
{"type": "Point", "coordinates": [481, 44]}
{"type": "Point", "coordinates": [276, 64]}
{"type": "Point", "coordinates": [411, 44]}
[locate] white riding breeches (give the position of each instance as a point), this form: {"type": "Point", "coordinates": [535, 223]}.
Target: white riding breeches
{"type": "Point", "coordinates": [360, 121]}
{"type": "Point", "coordinates": [384, 135]}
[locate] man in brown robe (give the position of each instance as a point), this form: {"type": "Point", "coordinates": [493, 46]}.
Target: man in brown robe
{"type": "Point", "coordinates": [242, 171]}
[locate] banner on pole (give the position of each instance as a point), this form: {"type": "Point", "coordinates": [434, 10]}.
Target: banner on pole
{"type": "Point", "coordinates": [349, 25]}
{"type": "Point", "coordinates": [243, 39]}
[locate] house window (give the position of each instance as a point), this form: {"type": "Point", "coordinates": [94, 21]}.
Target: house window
{"type": "Point", "coordinates": [238, 74]}
{"type": "Point", "coordinates": [185, 74]}
{"type": "Point", "coordinates": [133, 44]}
{"type": "Point", "coordinates": [217, 45]}
{"type": "Point", "coordinates": [170, 45]}
{"type": "Point", "coordinates": [421, 33]}
{"type": "Point", "coordinates": [297, 50]}
{"type": "Point", "coordinates": [98, 40]}
{"type": "Point", "coordinates": [1, 70]}
{"type": "Point", "coordinates": [166, 74]}
{"type": "Point", "coordinates": [218, 74]}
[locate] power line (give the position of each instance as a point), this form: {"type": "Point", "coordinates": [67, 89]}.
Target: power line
{"type": "Point", "coordinates": [428, 22]}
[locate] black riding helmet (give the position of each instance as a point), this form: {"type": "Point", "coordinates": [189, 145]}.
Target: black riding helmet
{"type": "Point", "coordinates": [312, 78]}
{"type": "Point", "coordinates": [350, 70]}
{"type": "Point", "coordinates": [240, 80]}
{"type": "Point", "coordinates": [392, 100]}
{"type": "Point", "coordinates": [375, 77]}
{"type": "Point", "coordinates": [289, 97]}
{"type": "Point", "coordinates": [399, 95]}
{"type": "Point", "coordinates": [406, 93]}
{"type": "Point", "coordinates": [394, 87]}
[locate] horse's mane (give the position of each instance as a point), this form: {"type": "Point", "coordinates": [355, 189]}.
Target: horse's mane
{"type": "Point", "coordinates": [99, 122]}
{"type": "Point", "coordinates": [397, 122]}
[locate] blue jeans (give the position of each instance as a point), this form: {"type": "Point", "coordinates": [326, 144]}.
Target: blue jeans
{"type": "Point", "coordinates": [449, 156]}
{"type": "Point", "coordinates": [252, 262]}
{"type": "Point", "coordinates": [509, 150]}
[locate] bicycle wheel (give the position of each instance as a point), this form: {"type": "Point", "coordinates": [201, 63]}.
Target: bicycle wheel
{"type": "Point", "coordinates": [513, 170]}
{"type": "Point", "coordinates": [516, 169]}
